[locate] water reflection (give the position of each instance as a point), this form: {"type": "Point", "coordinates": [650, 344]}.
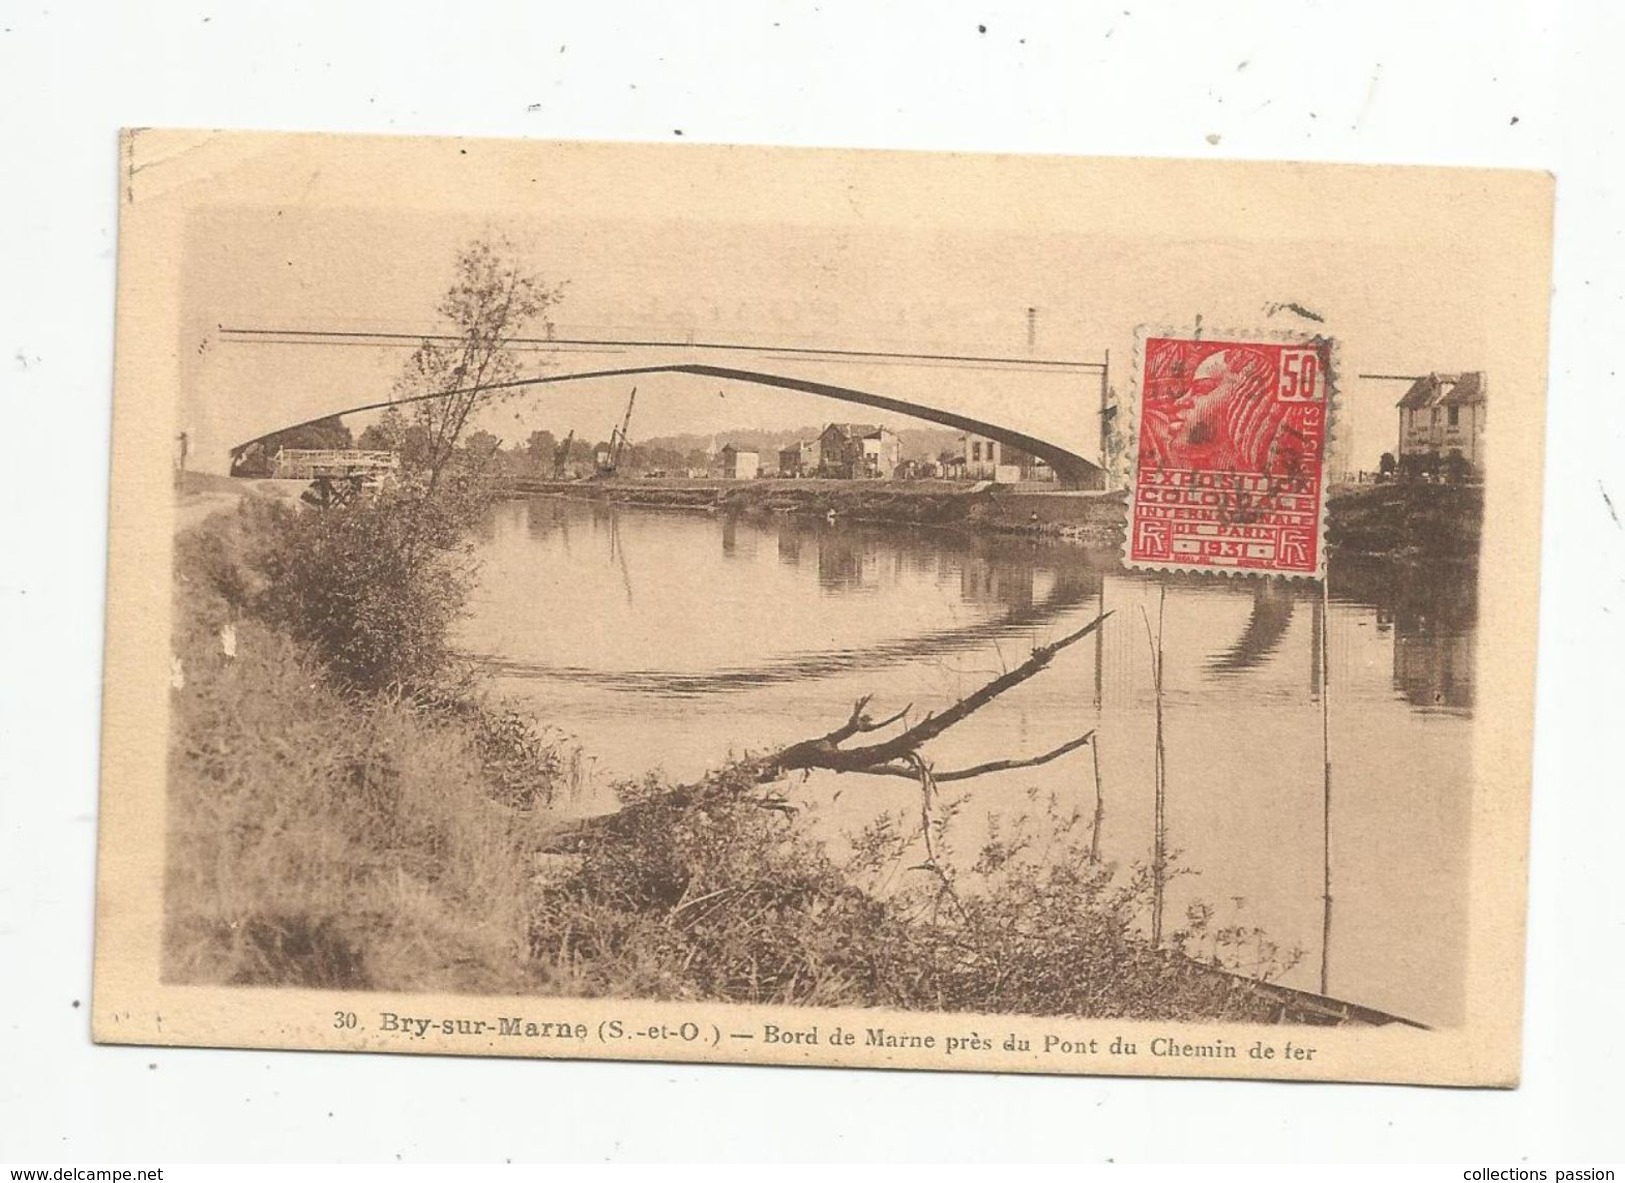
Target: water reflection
{"type": "Point", "coordinates": [1433, 614]}
{"type": "Point", "coordinates": [846, 563]}
{"type": "Point", "coordinates": [1004, 588]}
{"type": "Point", "coordinates": [1266, 626]}
{"type": "Point", "coordinates": [672, 639]}
{"type": "Point", "coordinates": [996, 587]}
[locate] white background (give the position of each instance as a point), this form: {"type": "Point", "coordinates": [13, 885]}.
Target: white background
{"type": "Point", "coordinates": [1532, 84]}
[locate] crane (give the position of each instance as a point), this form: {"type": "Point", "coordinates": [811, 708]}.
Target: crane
{"type": "Point", "coordinates": [561, 455]}
{"type": "Point", "coordinates": [618, 439]}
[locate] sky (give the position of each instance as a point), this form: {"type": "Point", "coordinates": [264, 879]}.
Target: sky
{"type": "Point", "coordinates": [1389, 296]}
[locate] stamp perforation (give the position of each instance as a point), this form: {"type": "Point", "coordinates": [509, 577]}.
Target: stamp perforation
{"type": "Point", "coordinates": [1322, 342]}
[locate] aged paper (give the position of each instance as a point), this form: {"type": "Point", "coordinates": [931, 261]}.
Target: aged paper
{"type": "Point", "coordinates": [681, 603]}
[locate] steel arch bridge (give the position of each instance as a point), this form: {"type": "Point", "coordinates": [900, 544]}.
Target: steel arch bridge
{"type": "Point", "coordinates": [1059, 427]}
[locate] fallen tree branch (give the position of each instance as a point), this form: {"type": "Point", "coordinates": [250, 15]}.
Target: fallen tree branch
{"type": "Point", "coordinates": [908, 773]}
{"type": "Point", "coordinates": [898, 756]}
{"type": "Point", "coordinates": [805, 753]}
{"type": "Point", "coordinates": [826, 752]}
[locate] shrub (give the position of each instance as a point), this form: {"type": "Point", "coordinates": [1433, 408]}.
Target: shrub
{"type": "Point", "coordinates": [1408, 520]}
{"type": "Point", "coordinates": [526, 765]}
{"type": "Point", "coordinates": [374, 586]}
{"type": "Point", "coordinates": [705, 892]}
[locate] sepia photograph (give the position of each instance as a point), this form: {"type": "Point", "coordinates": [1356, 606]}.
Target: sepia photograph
{"type": "Point", "coordinates": [880, 609]}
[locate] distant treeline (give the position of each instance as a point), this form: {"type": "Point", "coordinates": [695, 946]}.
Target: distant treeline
{"type": "Point", "coordinates": [538, 453]}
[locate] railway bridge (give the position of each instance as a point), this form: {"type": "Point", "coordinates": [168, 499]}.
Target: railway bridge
{"type": "Point", "coordinates": [1051, 407]}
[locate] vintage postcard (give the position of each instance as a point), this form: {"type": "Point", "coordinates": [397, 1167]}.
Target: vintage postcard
{"type": "Point", "coordinates": [822, 607]}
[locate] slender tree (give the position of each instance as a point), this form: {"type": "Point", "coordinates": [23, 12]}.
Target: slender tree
{"type": "Point", "coordinates": [493, 298]}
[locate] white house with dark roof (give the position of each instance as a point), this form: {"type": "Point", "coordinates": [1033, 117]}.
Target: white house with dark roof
{"type": "Point", "coordinates": [1441, 418]}
{"type": "Point", "coordinates": [739, 464]}
{"type": "Point", "coordinates": [990, 460]}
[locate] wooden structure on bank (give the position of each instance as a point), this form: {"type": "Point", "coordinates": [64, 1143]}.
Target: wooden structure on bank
{"type": "Point", "coordinates": [336, 475]}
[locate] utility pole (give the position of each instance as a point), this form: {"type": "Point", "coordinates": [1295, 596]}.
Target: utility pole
{"type": "Point", "coordinates": [1105, 413]}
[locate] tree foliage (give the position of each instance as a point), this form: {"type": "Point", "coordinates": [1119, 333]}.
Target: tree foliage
{"type": "Point", "coordinates": [373, 586]}
{"type": "Point", "coordinates": [394, 432]}
{"type": "Point", "coordinates": [259, 458]}
{"type": "Point", "coordinates": [492, 299]}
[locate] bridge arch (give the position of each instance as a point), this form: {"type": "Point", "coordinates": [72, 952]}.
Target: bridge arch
{"type": "Point", "coordinates": [1071, 469]}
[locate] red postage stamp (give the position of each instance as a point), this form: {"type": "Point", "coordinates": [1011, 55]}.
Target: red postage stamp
{"type": "Point", "coordinates": [1230, 460]}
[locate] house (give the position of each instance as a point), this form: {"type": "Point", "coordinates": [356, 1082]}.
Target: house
{"type": "Point", "coordinates": [801, 458]}
{"type": "Point", "coordinates": [991, 460]}
{"type": "Point", "coordinates": [858, 450]}
{"type": "Point", "coordinates": [739, 464]}
{"type": "Point", "coordinates": [951, 465]}
{"type": "Point", "coordinates": [1441, 425]}
{"type": "Point", "coordinates": [882, 453]}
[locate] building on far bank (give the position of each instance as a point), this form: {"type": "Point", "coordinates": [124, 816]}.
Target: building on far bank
{"type": "Point", "coordinates": [853, 451]}
{"type": "Point", "coordinates": [1441, 425]}
{"type": "Point", "coordinates": [801, 458]}
{"type": "Point", "coordinates": [990, 460]}
{"type": "Point", "coordinates": [739, 464]}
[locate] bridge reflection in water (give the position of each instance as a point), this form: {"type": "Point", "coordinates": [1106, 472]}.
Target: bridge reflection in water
{"type": "Point", "coordinates": [674, 638]}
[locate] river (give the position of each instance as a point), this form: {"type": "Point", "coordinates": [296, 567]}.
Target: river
{"type": "Point", "coordinates": [671, 639]}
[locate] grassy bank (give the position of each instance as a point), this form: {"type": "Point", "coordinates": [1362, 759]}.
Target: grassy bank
{"type": "Point", "coordinates": [326, 833]}
{"type": "Point", "coordinates": [323, 837]}
{"type": "Point", "coordinates": [937, 503]}
{"type": "Point", "coordinates": [1406, 521]}
{"type": "Point", "coordinates": [1094, 519]}
{"type": "Point", "coordinates": [1402, 521]}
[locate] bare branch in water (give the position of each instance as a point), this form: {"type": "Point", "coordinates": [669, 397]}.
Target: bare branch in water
{"type": "Point", "coordinates": [897, 756]}
{"type": "Point", "coordinates": [826, 752]}
{"type": "Point", "coordinates": [908, 773]}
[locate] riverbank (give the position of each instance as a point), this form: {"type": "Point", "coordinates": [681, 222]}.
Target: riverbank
{"type": "Point", "coordinates": [330, 837]}
{"type": "Point", "coordinates": [199, 494]}
{"type": "Point", "coordinates": [321, 837]}
{"type": "Point", "coordinates": [1408, 522]}
{"type": "Point", "coordinates": [1094, 519]}
{"type": "Point", "coordinates": [1397, 521]}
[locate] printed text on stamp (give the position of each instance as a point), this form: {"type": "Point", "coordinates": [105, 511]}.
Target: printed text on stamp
{"type": "Point", "coordinates": [1229, 470]}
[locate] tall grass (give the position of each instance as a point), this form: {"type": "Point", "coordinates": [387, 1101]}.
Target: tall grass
{"type": "Point", "coordinates": [325, 837]}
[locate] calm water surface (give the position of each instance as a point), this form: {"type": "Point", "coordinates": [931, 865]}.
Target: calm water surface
{"type": "Point", "coordinates": [670, 639]}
